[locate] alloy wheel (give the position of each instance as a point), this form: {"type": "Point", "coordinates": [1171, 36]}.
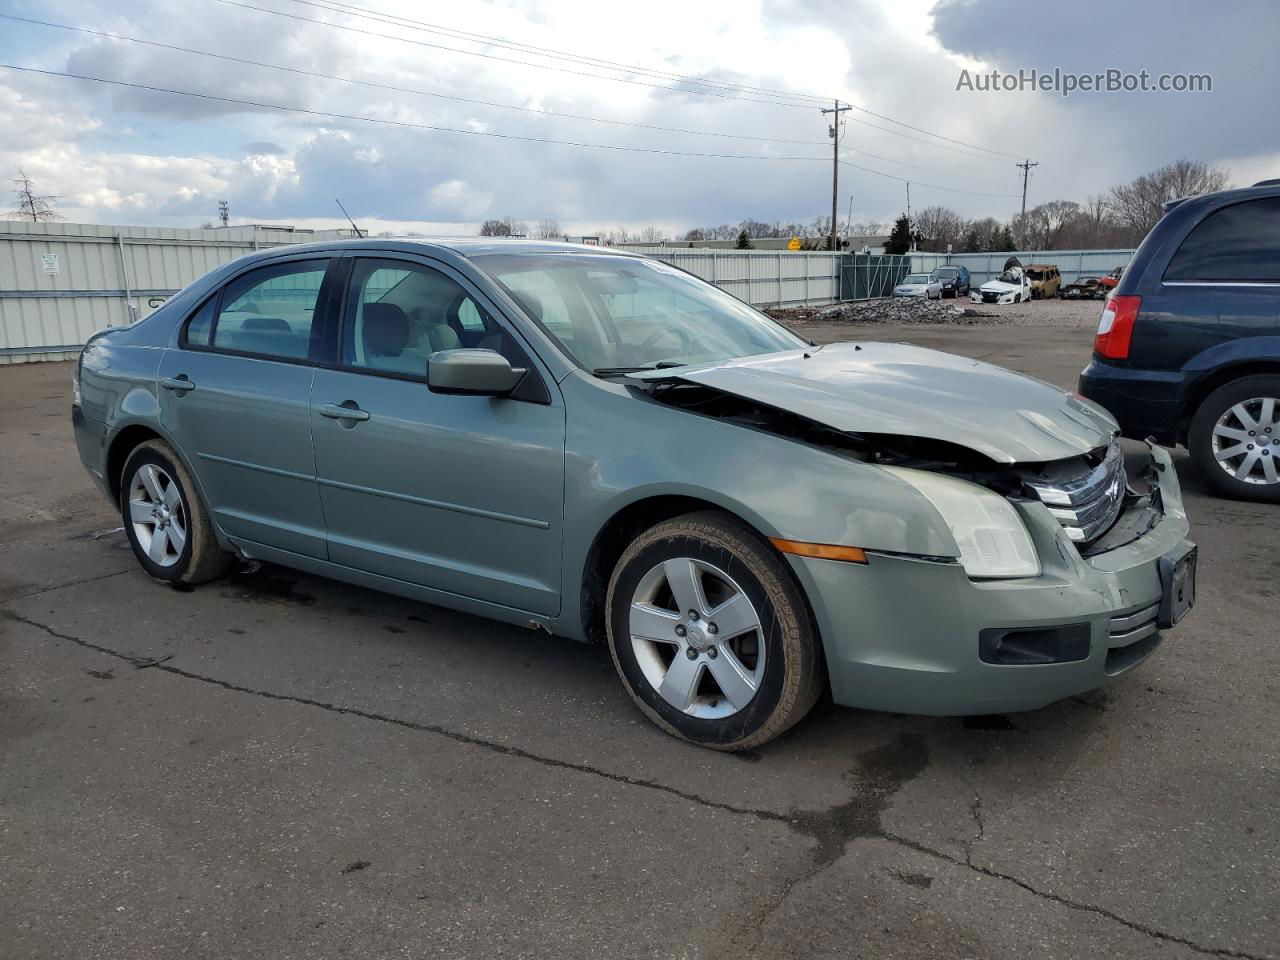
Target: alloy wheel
{"type": "Point", "coordinates": [1246, 440]}
{"type": "Point", "coordinates": [158, 515]}
{"type": "Point", "coordinates": [697, 638]}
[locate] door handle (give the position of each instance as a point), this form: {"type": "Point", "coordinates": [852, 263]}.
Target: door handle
{"type": "Point", "coordinates": [179, 383]}
{"type": "Point", "coordinates": [337, 411]}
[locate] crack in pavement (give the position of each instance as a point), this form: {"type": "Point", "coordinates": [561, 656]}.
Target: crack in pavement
{"type": "Point", "coordinates": [975, 811]}
{"type": "Point", "coordinates": [70, 583]}
{"type": "Point", "coordinates": [885, 770]}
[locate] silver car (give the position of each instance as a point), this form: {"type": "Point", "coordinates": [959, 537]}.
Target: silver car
{"type": "Point", "coordinates": [601, 446]}
{"type": "Point", "coordinates": [919, 285]}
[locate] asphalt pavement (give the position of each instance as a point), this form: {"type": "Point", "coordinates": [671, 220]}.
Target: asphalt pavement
{"type": "Point", "coordinates": [280, 766]}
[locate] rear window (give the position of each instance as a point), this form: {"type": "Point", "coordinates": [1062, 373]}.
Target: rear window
{"type": "Point", "coordinates": [1239, 243]}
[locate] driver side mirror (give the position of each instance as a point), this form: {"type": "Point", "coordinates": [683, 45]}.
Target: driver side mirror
{"type": "Point", "coordinates": [473, 372]}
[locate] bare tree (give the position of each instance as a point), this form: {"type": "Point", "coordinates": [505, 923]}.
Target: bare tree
{"type": "Point", "coordinates": [28, 205]}
{"type": "Point", "coordinates": [548, 229]}
{"type": "Point", "coordinates": [506, 227]}
{"type": "Point", "coordinates": [1139, 204]}
{"type": "Point", "coordinates": [939, 226]}
{"type": "Point", "coordinates": [1043, 227]}
{"type": "Point", "coordinates": [651, 235]}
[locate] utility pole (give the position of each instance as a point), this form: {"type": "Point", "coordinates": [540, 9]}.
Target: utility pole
{"type": "Point", "coordinates": [911, 233]}
{"type": "Point", "coordinates": [224, 212]}
{"type": "Point", "coordinates": [834, 132]}
{"type": "Point", "coordinates": [1025, 166]}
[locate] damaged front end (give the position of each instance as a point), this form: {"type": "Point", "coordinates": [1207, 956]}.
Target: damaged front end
{"type": "Point", "coordinates": [1099, 506]}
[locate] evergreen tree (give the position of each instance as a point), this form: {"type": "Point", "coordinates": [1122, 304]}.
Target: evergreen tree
{"type": "Point", "coordinates": [744, 241]}
{"type": "Point", "coordinates": [900, 237]}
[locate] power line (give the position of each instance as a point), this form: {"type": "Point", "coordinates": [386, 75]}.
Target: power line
{"type": "Point", "coordinates": [490, 56]}
{"type": "Point", "coordinates": [263, 105]}
{"type": "Point", "coordinates": [459, 130]}
{"type": "Point", "coordinates": [803, 101]}
{"type": "Point", "coordinates": [338, 6]}
{"type": "Point", "coordinates": [357, 11]}
{"type": "Point", "coordinates": [935, 186]}
{"type": "Point", "coordinates": [913, 166]}
{"type": "Point", "coordinates": [398, 89]}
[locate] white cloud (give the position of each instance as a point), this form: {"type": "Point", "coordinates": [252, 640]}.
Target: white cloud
{"type": "Point", "coordinates": [119, 153]}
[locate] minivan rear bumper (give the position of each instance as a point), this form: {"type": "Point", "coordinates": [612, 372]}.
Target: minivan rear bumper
{"type": "Point", "coordinates": [1146, 403]}
{"type": "Point", "coordinates": [908, 635]}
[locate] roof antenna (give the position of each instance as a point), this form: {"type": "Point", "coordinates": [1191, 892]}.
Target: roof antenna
{"type": "Point", "coordinates": [359, 234]}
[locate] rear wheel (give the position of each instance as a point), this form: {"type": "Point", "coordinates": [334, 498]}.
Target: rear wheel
{"type": "Point", "coordinates": [166, 524]}
{"type": "Point", "coordinates": [711, 635]}
{"type": "Point", "coordinates": [1235, 438]}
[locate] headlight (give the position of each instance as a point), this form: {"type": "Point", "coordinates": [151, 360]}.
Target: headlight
{"type": "Point", "coordinates": [992, 538]}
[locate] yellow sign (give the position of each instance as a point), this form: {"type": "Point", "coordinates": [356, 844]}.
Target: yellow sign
{"type": "Point", "coordinates": [794, 244]}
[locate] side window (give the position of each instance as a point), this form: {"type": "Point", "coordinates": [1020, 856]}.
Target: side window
{"type": "Point", "coordinates": [270, 311]}
{"type": "Point", "coordinates": [200, 324]}
{"type": "Point", "coordinates": [538, 293]}
{"type": "Point", "coordinates": [1238, 243]}
{"type": "Point", "coordinates": [399, 313]}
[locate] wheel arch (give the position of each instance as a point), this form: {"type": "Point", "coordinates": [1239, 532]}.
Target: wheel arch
{"type": "Point", "coordinates": [129, 437]}
{"type": "Point", "coordinates": [1200, 389]}
{"type": "Point", "coordinates": [619, 530]}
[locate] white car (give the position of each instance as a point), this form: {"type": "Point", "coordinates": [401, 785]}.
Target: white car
{"type": "Point", "coordinates": [919, 285]}
{"type": "Point", "coordinates": [1012, 286]}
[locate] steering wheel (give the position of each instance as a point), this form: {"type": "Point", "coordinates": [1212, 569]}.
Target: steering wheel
{"type": "Point", "coordinates": [686, 341]}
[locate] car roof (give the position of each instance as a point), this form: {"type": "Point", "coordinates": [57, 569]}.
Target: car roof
{"type": "Point", "coordinates": [445, 247]}
{"type": "Point", "coordinates": [1041, 266]}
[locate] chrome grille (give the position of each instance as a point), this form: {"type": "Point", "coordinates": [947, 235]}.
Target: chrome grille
{"type": "Point", "coordinates": [1085, 503]}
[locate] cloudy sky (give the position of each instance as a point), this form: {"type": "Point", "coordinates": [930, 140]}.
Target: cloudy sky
{"type": "Point", "coordinates": [735, 79]}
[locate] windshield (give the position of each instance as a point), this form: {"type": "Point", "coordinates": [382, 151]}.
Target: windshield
{"type": "Point", "coordinates": [1035, 274]}
{"type": "Point", "coordinates": [946, 273]}
{"type": "Point", "coordinates": [917, 278]}
{"type": "Point", "coordinates": [619, 313]}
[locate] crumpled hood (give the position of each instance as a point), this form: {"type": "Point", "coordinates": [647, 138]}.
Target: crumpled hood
{"type": "Point", "coordinates": [999, 286]}
{"type": "Point", "coordinates": [897, 389]}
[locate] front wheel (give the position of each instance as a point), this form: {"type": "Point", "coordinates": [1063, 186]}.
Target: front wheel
{"type": "Point", "coordinates": [166, 524]}
{"type": "Point", "coordinates": [711, 635]}
{"type": "Point", "coordinates": [1235, 438]}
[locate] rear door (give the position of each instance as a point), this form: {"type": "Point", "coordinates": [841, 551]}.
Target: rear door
{"type": "Point", "coordinates": [456, 493]}
{"type": "Point", "coordinates": [1223, 283]}
{"type": "Point", "coordinates": [235, 397]}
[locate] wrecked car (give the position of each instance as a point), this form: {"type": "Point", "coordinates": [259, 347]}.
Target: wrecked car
{"type": "Point", "coordinates": [600, 446]}
{"type": "Point", "coordinates": [1084, 288]}
{"type": "Point", "coordinates": [1012, 286]}
{"type": "Point", "coordinates": [1046, 280]}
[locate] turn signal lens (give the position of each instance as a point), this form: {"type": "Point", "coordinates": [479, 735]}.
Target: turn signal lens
{"type": "Point", "coordinates": [823, 551]}
{"type": "Point", "coordinates": [1115, 327]}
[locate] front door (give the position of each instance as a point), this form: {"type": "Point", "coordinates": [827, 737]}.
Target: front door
{"type": "Point", "coordinates": [456, 493]}
{"type": "Point", "coordinates": [235, 397]}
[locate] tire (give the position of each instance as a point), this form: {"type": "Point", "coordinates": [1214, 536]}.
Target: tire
{"type": "Point", "coordinates": [158, 498]}
{"type": "Point", "coordinates": [778, 650]}
{"type": "Point", "coordinates": [1218, 421]}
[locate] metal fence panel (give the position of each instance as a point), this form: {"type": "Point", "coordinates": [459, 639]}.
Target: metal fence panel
{"type": "Point", "coordinates": [62, 282]}
{"type": "Point", "coordinates": [987, 266]}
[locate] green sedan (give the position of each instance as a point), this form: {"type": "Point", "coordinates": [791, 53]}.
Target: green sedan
{"type": "Point", "coordinates": [601, 446]}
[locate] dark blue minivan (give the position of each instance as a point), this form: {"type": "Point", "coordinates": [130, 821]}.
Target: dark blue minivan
{"type": "Point", "coordinates": [1188, 345]}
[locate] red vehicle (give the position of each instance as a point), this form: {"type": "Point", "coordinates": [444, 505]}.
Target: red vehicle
{"type": "Point", "coordinates": [1111, 279]}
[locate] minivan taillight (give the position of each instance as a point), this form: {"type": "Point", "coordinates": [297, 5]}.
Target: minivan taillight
{"type": "Point", "coordinates": [1115, 327]}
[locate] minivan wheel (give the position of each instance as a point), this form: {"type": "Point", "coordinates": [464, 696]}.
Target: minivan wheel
{"type": "Point", "coordinates": [1235, 438]}
{"type": "Point", "coordinates": [164, 520]}
{"type": "Point", "coordinates": [711, 635]}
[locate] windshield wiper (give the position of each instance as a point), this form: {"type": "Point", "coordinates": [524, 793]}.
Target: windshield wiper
{"type": "Point", "coordinates": [623, 371]}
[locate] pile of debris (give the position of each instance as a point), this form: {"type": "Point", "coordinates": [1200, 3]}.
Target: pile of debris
{"type": "Point", "coordinates": [898, 310]}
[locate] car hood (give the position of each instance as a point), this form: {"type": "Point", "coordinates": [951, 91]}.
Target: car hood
{"type": "Point", "coordinates": [902, 390]}
{"type": "Point", "coordinates": [999, 286]}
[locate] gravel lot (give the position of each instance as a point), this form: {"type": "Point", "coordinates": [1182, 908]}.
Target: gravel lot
{"type": "Point", "coordinates": [280, 766]}
{"type": "Point", "coordinates": [913, 310]}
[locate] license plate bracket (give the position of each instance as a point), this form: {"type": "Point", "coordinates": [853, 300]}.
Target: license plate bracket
{"type": "Point", "coordinates": [1178, 579]}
